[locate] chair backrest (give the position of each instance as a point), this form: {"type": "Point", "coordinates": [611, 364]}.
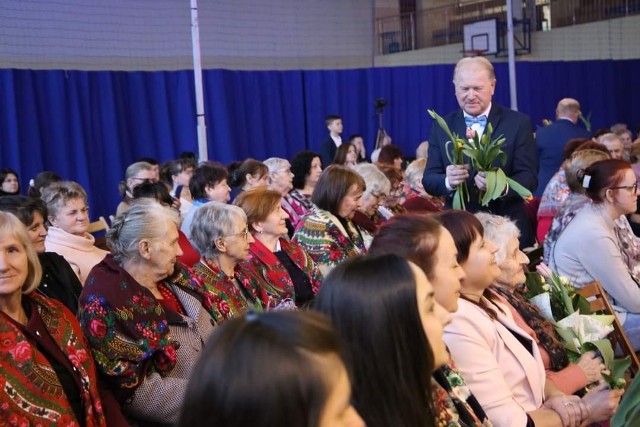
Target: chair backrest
{"type": "Point", "coordinates": [535, 255]}
{"type": "Point", "coordinates": [598, 301]}
{"type": "Point", "coordinates": [100, 225]}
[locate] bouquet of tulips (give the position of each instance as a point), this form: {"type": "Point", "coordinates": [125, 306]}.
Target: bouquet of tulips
{"type": "Point", "coordinates": [482, 152]}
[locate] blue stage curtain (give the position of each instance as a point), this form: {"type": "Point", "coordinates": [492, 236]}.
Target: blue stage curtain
{"type": "Point", "coordinates": [88, 126]}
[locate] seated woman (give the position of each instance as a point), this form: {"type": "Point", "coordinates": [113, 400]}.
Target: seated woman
{"type": "Point", "coordinates": [177, 174]}
{"type": "Point", "coordinates": [417, 199]}
{"type": "Point", "coordinates": [328, 234]}
{"type": "Point", "coordinates": [499, 360]}
{"type": "Point", "coordinates": [588, 248]}
{"type": "Point", "coordinates": [9, 183]}
{"type": "Point", "coordinates": [567, 377]}
{"type": "Point", "coordinates": [289, 273]}
{"type": "Point", "coordinates": [135, 174]}
{"type": "Point", "coordinates": [425, 242]}
{"type": "Point", "coordinates": [346, 155]}
{"type": "Point", "coordinates": [390, 155]}
{"type": "Point", "coordinates": [384, 309]}
{"type": "Point", "coordinates": [208, 184]}
{"type": "Point", "coordinates": [393, 203]}
{"type": "Point", "coordinates": [69, 220]}
{"type": "Point", "coordinates": [247, 175]}
{"type": "Point", "coordinates": [576, 199]}
{"type": "Point", "coordinates": [58, 281]}
{"type": "Point", "coordinates": [41, 180]}
{"type": "Point", "coordinates": [221, 234]}
{"type": "Point", "coordinates": [159, 192]}
{"type": "Point", "coordinates": [48, 376]}
{"type": "Point", "coordinates": [557, 190]}
{"type": "Point", "coordinates": [377, 189]}
{"type": "Point", "coordinates": [145, 316]}
{"type": "Point", "coordinates": [306, 167]}
{"type": "Point", "coordinates": [310, 386]}
{"type": "Point", "coordinates": [281, 180]}
{"type": "Point", "coordinates": [358, 143]}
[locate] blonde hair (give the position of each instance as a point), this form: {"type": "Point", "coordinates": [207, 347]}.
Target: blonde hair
{"type": "Point", "coordinates": [11, 226]}
{"type": "Point", "coordinates": [415, 171]}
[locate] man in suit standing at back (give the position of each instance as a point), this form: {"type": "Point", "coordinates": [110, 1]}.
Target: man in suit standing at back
{"type": "Point", "coordinates": [551, 140]}
{"type": "Point", "coordinates": [474, 82]}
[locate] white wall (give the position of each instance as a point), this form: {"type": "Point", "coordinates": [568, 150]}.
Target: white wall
{"type": "Point", "coordinates": [616, 39]}
{"type": "Point", "coordinates": [156, 34]}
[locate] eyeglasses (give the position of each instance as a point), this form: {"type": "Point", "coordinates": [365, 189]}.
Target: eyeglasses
{"type": "Point", "coordinates": [633, 188]}
{"type": "Point", "coordinates": [245, 234]}
{"type": "Point", "coordinates": [379, 196]}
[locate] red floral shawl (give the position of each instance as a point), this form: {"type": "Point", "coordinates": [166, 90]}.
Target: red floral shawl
{"type": "Point", "coordinates": [128, 329]}
{"type": "Point", "coordinates": [230, 300]}
{"type": "Point", "coordinates": [28, 393]}
{"type": "Point", "coordinates": [278, 283]}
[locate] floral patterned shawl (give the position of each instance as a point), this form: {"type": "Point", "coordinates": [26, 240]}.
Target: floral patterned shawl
{"type": "Point", "coordinates": [278, 284]}
{"type": "Point", "coordinates": [128, 329]}
{"type": "Point", "coordinates": [231, 301]}
{"type": "Point", "coordinates": [324, 238]}
{"type": "Point", "coordinates": [30, 394]}
{"type": "Point", "coordinates": [545, 331]}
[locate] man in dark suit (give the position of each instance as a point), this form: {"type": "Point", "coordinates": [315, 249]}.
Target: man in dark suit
{"type": "Point", "coordinates": [474, 81]}
{"type": "Point", "coordinates": [329, 146]}
{"type": "Point", "coordinates": [551, 140]}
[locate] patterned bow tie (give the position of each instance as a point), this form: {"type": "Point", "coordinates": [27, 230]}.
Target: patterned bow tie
{"type": "Point", "coordinates": [481, 120]}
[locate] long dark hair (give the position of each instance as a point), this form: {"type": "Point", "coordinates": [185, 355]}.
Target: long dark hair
{"type": "Point", "coordinates": [372, 303]}
{"type": "Point", "coordinates": [261, 370]}
{"type": "Point", "coordinates": [301, 167]}
{"type": "Point", "coordinates": [465, 228]}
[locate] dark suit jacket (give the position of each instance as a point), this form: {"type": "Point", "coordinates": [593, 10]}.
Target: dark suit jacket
{"type": "Point", "coordinates": [327, 152]}
{"type": "Point", "coordinates": [521, 165]}
{"type": "Point", "coordinates": [550, 141]}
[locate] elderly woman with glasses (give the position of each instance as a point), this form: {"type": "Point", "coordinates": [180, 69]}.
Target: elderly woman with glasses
{"type": "Point", "coordinates": [392, 204]}
{"type": "Point", "coordinates": [221, 234]}
{"type": "Point", "coordinates": [328, 234]}
{"type": "Point", "coordinates": [378, 187]}
{"type": "Point", "coordinates": [289, 273]}
{"type": "Point", "coordinates": [69, 221]}
{"type": "Point", "coordinates": [281, 180]}
{"type": "Point", "coordinates": [146, 317]}
{"type": "Point", "coordinates": [567, 377]}
{"type": "Point", "coordinates": [135, 174]}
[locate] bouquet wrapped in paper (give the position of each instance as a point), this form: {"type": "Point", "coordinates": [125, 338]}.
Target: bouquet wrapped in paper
{"type": "Point", "coordinates": [580, 330]}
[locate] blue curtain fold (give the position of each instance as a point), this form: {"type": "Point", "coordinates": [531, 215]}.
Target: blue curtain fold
{"type": "Point", "coordinates": [88, 126]}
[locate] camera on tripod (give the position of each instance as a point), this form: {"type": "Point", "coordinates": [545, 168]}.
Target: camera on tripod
{"type": "Point", "coordinates": [380, 103]}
